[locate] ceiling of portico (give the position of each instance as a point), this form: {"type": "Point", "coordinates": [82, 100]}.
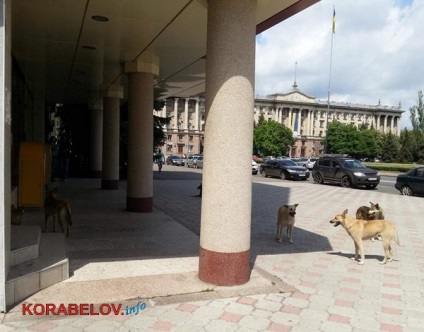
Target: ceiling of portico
{"type": "Point", "coordinates": [68, 57]}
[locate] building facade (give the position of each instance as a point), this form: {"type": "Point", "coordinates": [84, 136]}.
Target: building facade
{"type": "Point", "coordinates": [306, 116]}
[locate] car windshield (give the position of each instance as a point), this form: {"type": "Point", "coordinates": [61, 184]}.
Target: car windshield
{"type": "Point", "coordinates": [175, 157]}
{"type": "Point", "coordinates": [287, 163]}
{"type": "Point", "coordinates": [352, 163]}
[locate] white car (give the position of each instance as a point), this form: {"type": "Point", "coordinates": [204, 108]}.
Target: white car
{"type": "Point", "coordinates": [310, 163]}
{"type": "Point", "coordinates": [255, 167]}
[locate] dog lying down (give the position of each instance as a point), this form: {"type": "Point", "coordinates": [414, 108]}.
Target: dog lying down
{"type": "Point", "coordinates": [286, 218]}
{"type": "Point", "coordinates": [360, 230]}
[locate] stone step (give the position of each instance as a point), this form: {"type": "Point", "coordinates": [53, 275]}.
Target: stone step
{"type": "Point", "coordinates": [51, 267]}
{"type": "Point", "coordinates": [24, 243]}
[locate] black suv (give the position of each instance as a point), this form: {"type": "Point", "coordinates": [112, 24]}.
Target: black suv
{"type": "Point", "coordinates": [347, 171]}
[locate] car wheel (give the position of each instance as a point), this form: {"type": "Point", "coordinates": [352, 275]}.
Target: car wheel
{"type": "Point", "coordinates": [318, 178]}
{"type": "Point", "coordinates": [264, 175]}
{"type": "Point", "coordinates": [371, 186]}
{"type": "Point", "coordinates": [283, 175]}
{"type": "Point", "coordinates": [407, 191]}
{"type": "Point", "coordinates": [346, 182]}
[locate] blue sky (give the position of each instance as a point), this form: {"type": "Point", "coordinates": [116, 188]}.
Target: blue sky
{"type": "Point", "coordinates": [377, 53]}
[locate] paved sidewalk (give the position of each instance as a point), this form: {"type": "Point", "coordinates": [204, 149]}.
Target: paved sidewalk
{"type": "Point", "coordinates": [128, 258]}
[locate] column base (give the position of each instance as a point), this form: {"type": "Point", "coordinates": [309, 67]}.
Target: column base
{"type": "Point", "coordinates": [110, 184]}
{"type": "Point", "coordinates": [140, 204]}
{"type": "Point", "coordinates": [224, 269]}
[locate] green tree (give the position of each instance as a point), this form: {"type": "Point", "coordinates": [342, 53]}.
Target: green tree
{"type": "Point", "coordinates": [368, 143]}
{"type": "Point", "coordinates": [271, 138]}
{"type": "Point", "coordinates": [159, 137]}
{"type": "Point", "coordinates": [342, 138]}
{"type": "Point", "coordinates": [417, 114]}
{"type": "Point", "coordinates": [390, 148]}
{"type": "Point", "coordinates": [407, 146]}
{"type": "Point", "coordinates": [260, 120]}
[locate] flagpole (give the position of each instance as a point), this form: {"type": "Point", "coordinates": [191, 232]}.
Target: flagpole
{"type": "Point", "coordinates": [329, 76]}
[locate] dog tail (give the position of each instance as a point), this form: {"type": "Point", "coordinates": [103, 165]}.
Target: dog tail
{"type": "Point", "coordinates": [397, 237]}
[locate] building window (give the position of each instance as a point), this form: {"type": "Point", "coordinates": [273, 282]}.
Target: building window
{"type": "Point", "coordinates": [190, 138]}
{"type": "Point", "coordinates": [169, 137]}
{"type": "Point", "coordinates": [321, 124]}
{"type": "Point", "coordinates": [180, 138]}
{"type": "Point", "coordinates": [169, 148]}
{"type": "Point", "coordinates": [345, 116]}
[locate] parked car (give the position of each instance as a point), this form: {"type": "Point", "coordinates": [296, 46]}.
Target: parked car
{"type": "Point", "coordinates": [199, 162]}
{"type": "Point", "coordinates": [347, 171]}
{"type": "Point", "coordinates": [284, 169]}
{"type": "Point", "coordinates": [301, 161]}
{"type": "Point", "coordinates": [175, 159]}
{"type": "Point", "coordinates": [192, 160]}
{"type": "Point", "coordinates": [412, 182]}
{"type": "Point", "coordinates": [255, 167]}
{"type": "Point", "coordinates": [310, 163]}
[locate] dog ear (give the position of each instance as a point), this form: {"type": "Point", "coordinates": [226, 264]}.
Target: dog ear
{"type": "Point", "coordinates": [286, 206]}
{"type": "Point", "coordinates": [344, 212]}
{"type": "Point", "coordinates": [377, 206]}
{"type": "Point", "coordinates": [296, 205]}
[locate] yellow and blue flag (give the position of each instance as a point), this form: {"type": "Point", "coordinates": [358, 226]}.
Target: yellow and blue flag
{"type": "Point", "coordinates": [334, 20]}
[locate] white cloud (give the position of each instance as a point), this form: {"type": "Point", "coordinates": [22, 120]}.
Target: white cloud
{"type": "Point", "coordinates": [377, 53]}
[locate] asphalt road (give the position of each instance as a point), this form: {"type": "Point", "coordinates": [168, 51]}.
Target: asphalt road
{"type": "Point", "coordinates": [387, 183]}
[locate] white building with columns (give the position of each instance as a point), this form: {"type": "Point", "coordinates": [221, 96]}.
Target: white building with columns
{"type": "Point", "coordinates": [303, 114]}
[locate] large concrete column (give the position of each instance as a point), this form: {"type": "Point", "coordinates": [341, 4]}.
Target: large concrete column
{"type": "Point", "coordinates": [385, 124]}
{"type": "Point", "coordinates": [227, 190]}
{"type": "Point", "coordinates": [392, 124]}
{"type": "Point", "coordinates": [290, 119]}
{"type": "Point", "coordinates": [176, 114]}
{"type": "Point", "coordinates": [5, 148]}
{"type": "Point", "coordinates": [110, 157]}
{"type": "Point", "coordinates": [96, 138]}
{"type": "Point", "coordinates": [197, 116]}
{"type": "Point", "coordinates": [186, 114]}
{"type": "Point", "coordinates": [140, 133]}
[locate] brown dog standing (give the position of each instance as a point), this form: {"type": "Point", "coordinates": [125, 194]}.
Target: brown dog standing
{"type": "Point", "coordinates": [286, 218]}
{"type": "Point", "coordinates": [360, 230]}
{"type": "Point", "coordinates": [54, 207]}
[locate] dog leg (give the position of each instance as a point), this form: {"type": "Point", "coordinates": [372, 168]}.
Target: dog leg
{"type": "Point", "coordinates": [289, 233]}
{"type": "Point", "coordinates": [354, 258]}
{"type": "Point", "coordinates": [361, 253]}
{"type": "Point", "coordinates": [279, 233]}
{"type": "Point", "coordinates": [61, 223]}
{"type": "Point", "coordinates": [387, 251]}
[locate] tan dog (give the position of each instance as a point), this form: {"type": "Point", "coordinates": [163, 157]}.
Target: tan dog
{"type": "Point", "coordinates": [54, 207]}
{"type": "Point", "coordinates": [364, 230]}
{"type": "Point", "coordinates": [373, 212]}
{"type": "Point", "coordinates": [286, 218]}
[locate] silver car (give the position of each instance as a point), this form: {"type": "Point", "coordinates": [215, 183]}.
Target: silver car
{"type": "Point", "coordinates": [192, 160]}
{"type": "Point", "coordinates": [199, 162]}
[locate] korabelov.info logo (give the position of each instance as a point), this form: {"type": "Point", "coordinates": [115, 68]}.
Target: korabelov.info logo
{"type": "Point", "coordinates": [82, 309]}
